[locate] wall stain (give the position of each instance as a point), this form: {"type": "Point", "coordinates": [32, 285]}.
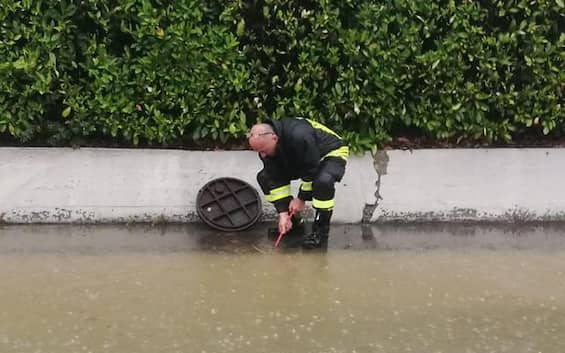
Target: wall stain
{"type": "Point", "coordinates": [81, 216]}
{"type": "Point", "coordinates": [515, 215]}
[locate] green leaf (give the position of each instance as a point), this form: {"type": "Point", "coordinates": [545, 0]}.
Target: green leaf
{"type": "Point", "coordinates": [298, 85]}
{"type": "Point", "coordinates": [66, 112]}
{"type": "Point", "coordinates": [338, 89]}
{"type": "Point", "coordinates": [240, 28]}
{"type": "Point", "coordinates": [196, 134]}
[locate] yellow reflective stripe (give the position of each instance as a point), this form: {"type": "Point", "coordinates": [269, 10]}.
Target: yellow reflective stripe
{"type": "Point", "coordinates": [326, 205]}
{"type": "Point", "coordinates": [317, 125]}
{"type": "Point", "coordinates": [342, 152]}
{"type": "Point", "coordinates": [278, 193]}
{"type": "Point", "coordinates": [306, 186]}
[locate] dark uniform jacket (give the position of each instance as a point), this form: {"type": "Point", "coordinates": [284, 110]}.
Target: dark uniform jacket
{"type": "Point", "coordinates": [299, 149]}
{"type": "Point", "coordinates": [301, 145]}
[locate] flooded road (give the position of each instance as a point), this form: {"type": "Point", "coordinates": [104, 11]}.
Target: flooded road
{"type": "Point", "coordinates": [393, 288]}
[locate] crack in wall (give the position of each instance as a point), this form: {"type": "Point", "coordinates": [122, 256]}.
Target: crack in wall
{"type": "Point", "coordinates": [380, 163]}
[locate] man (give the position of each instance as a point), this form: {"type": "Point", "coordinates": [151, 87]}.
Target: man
{"type": "Point", "coordinates": [295, 148]}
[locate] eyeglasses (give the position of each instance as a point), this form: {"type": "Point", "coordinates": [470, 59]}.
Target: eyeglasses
{"type": "Point", "coordinates": [250, 135]}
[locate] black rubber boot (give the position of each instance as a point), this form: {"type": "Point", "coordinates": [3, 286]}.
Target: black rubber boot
{"type": "Point", "coordinates": [320, 231]}
{"type": "Point", "coordinates": [296, 230]}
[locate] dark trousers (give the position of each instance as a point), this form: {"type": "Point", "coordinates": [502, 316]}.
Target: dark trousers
{"type": "Point", "coordinates": [330, 171]}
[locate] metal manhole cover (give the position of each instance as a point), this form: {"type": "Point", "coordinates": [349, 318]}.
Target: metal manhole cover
{"type": "Point", "coordinates": [228, 204]}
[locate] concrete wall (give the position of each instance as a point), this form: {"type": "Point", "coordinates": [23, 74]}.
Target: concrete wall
{"type": "Point", "coordinates": [53, 185]}
{"type": "Point", "coordinates": [474, 184]}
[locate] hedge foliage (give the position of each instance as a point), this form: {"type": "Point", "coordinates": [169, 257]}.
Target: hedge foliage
{"type": "Point", "coordinates": [158, 72]}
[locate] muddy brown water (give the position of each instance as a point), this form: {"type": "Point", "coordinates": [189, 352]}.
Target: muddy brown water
{"type": "Point", "coordinates": [386, 288]}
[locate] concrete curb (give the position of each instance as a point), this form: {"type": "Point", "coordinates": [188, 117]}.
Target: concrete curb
{"type": "Point", "coordinates": [59, 185]}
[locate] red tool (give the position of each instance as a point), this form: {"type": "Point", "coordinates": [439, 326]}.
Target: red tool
{"type": "Point", "coordinates": [281, 233]}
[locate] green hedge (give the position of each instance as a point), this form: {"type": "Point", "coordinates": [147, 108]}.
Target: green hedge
{"type": "Point", "coordinates": [157, 72]}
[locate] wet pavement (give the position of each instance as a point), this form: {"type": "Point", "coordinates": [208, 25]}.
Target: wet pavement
{"type": "Point", "coordinates": [187, 288]}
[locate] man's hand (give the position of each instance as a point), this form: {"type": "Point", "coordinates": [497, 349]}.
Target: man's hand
{"type": "Point", "coordinates": [296, 205]}
{"type": "Point", "coordinates": [284, 222]}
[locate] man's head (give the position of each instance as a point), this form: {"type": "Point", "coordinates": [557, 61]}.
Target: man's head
{"type": "Point", "coordinates": [262, 139]}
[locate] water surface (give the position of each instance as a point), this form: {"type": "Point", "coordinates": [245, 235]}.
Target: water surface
{"type": "Point", "coordinates": [187, 289]}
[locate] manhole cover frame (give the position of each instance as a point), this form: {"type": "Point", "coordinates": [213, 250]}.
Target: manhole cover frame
{"type": "Point", "coordinates": [230, 189]}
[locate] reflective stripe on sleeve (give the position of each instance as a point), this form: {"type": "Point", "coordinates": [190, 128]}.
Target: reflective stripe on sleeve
{"type": "Point", "coordinates": [306, 186]}
{"type": "Point", "coordinates": [325, 205]}
{"type": "Point", "coordinates": [278, 193]}
{"type": "Point", "coordinates": [342, 152]}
